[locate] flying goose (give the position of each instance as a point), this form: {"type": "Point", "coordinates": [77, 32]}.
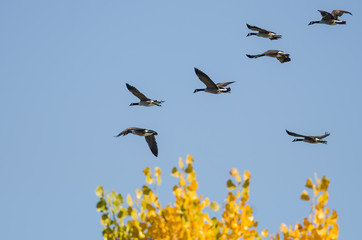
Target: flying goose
{"type": "Point", "coordinates": [308, 139]}
{"type": "Point", "coordinates": [331, 18]}
{"type": "Point", "coordinates": [211, 87]}
{"type": "Point", "coordinates": [263, 33]}
{"type": "Point", "coordinates": [280, 55]}
{"type": "Point", "coordinates": [144, 100]}
{"type": "Point", "coordinates": [148, 134]}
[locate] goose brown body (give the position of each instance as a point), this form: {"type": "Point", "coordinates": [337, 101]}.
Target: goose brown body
{"type": "Point", "coordinates": [211, 87]}
{"type": "Point", "coordinates": [148, 134]}
{"type": "Point", "coordinates": [144, 101]}
{"type": "Point", "coordinates": [308, 139]}
{"type": "Point", "coordinates": [331, 18]}
{"type": "Point", "coordinates": [263, 33]}
{"type": "Point", "coordinates": [280, 55]}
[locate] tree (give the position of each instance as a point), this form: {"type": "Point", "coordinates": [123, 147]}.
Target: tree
{"type": "Point", "coordinates": [144, 218]}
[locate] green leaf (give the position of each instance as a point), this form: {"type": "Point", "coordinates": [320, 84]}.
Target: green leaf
{"type": "Point", "coordinates": [230, 185]}
{"type": "Point", "coordinates": [175, 172]}
{"type": "Point", "coordinates": [305, 196]}
{"type": "Point", "coordinates": [105, 220]}
{"type": "Point", "coordinates": [129, 200]}
{"type": "Point", "coordinates": [189, 168]}
{"type": "Point", "coordinates": [146, 190]}
{"type": "Point", "coordinates": [102, 205]}
{"type": "Point", "coordinates": [118, 201]}
{"type": "Point", "coordinates": [122, 213]}
{"type": "Point", "coordinates": [99, 191]}
{"type": "Point", "coordinates": [246, 183]}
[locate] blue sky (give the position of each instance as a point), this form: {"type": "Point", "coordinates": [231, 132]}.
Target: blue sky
{"type": "Point", "coordinates": [63, 69]}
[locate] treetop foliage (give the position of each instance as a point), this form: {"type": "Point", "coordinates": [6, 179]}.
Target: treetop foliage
{"type": "Point", "coordinates": [142, 217]}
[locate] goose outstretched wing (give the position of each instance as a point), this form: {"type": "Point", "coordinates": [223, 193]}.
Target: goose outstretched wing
{"type": "Point", "coordinates": [254, 28]}
{"type": "Point", "coordinates": [128, 130]}
{"type": "Point", "coordinates": [338, 13]}
{"type": "Point", "coordinates": [137, 93]}
{"type": "Point", "coordinates": [326, 15]}
{"type": "Point", "coordinates": [224, 84]}
{"type": "Point", "coordinates": [295, 134]}
{"type": "Point", "coordinates": [323, 136]}
{"type": "Point", "coordinates": [205, 79]}
{"type": "Point", "coordinates": [151, 141]}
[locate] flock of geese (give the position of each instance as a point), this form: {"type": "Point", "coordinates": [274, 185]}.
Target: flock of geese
{"type": "Point", "coordinates": [217, 88]}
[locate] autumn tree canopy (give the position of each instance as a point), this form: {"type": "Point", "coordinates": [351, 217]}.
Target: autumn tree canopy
{"type": "Point", "coordinates": [143, 217]}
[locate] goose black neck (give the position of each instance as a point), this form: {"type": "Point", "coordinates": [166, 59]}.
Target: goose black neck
{"type": "Point", "coordinates": [198, 90]}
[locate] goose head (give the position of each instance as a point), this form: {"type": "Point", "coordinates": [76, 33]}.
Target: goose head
{"type": "Point", "coordinates": [198, 90]}
{"type": "Point", "coordinates": [153, 132]}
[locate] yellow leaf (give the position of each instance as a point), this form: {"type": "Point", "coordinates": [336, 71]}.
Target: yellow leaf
{"type": "Point", "coordinates": [191, 176]}
{"type": "Point", "coordinates": [177, 191]}
{"type": "Point", "coordinates": [323, 198]}
{"type": "Point", "coordinates": [105, 219]}
{"type": "Point", "coordinates": [99, 191]}
{"type": "Point", "coordinates": [238, 178]}
{"type": "Point", "coordinates": [264, 233]}
{"type": "Point", "coordinates": [283, 228]}
{"type": "Point", "coordinates": [149, 179]}
{"type": "Point", "coordinates": [175, 172]}
{"type": "Point", "coordinates": [189, 159]}
{"type": "Point", "coordinates": [182, 181]}
{"type": "Point", "coordinates": [309, 183]}
{"type": "Point", "coordinates": [157, 171]}
{"type": "Point", "coordinates": [129, 200]}
{"type": "Point", "coordinates": [324, 184]}
{"type": "Point", "coordinates": [138, 193]}
{"type": "Point", "coordinates": [158, 180]}
{"type": "Point", "coordinates": [146, 171]}
{"type": "Point", "coordinates": [206, 202]}
{"type": "Point", "coordinates": [333, 233]}
{"type": "Point", "coordinates": [317, 179]}
{"type": "Point", "coordinates": [234, 172]}
{"type": "Point", "coordinates": [180, 163]}
{"type": "Point", "coordinates": [246, 175]}
{"type": "Point", "coordinates": [319, 216]}
{"type": "Point", "coordinates": [305, 196]}
{"type": "Point", "coordinates": [334, 215]}
{"type": "Point", "coordinates": [193, 186]}
{"type": "Point", "coordinates": [315, 191]}
{"type": "Point", "coordinates": [134, 213]}
{"type": "Point", "coordinates": [245, 195]}
{"type": "Point", "coordinates": [214, 206]}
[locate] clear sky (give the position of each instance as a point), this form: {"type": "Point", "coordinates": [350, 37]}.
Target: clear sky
{"type": "Point", "coordinates": [63, 69]}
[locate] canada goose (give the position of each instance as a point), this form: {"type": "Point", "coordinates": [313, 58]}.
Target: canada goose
{"type": "Point", "coordinates": [309, 139]}
{"type": "Point", "coordinates": [148, 134]}
{"type": "Point", "coordinates": [211, 87]}
{"type": "Point", "coordinates": [144, 100]}
{"type": "Point", "coordinates": [263, 33]}
{"type": "Point", "coordinates": [331, 18]}
{"type": "Point", "coordinates": [280, 55]}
